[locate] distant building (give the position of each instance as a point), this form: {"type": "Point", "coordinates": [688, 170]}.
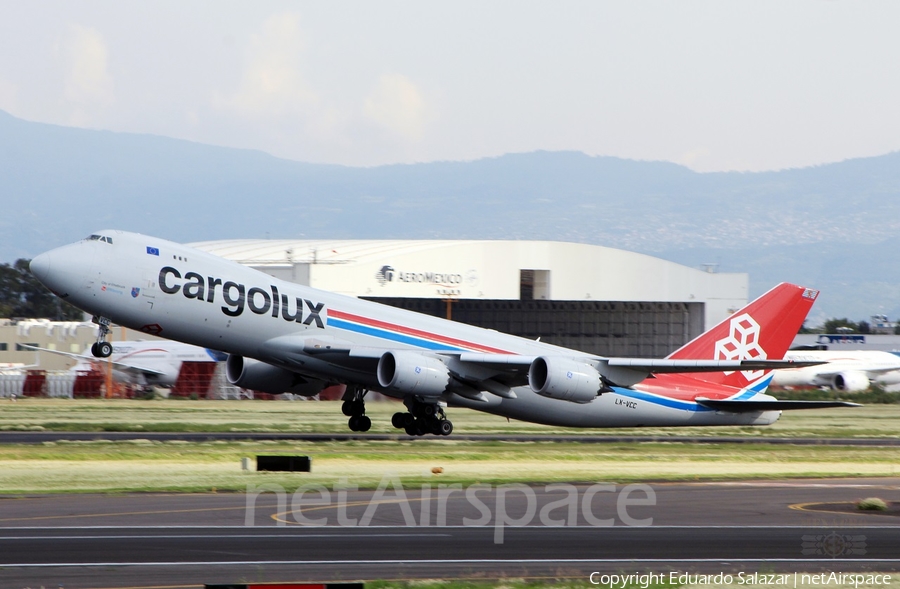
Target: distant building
{"type": "Point", "coordinates": [66, 336]}
{"type": "Point", "coordinates": [881, 324]}
{"type": "Point", "coordinates": [842, 341]}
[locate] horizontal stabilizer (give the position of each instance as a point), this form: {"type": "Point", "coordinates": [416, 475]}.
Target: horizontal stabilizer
{"type": "Point", "coordinates": [771, 405]}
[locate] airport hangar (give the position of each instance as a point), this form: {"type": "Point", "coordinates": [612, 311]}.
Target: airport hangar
{"type": "Point", "coordinates": [596, 299]}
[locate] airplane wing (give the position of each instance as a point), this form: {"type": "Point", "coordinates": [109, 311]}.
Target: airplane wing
{"type": "Point", "coordinates": [57, 352]}
{"type": "Point", "coordinates": [625, 370]}
{"type": "Point", "coordinates": [123, 366]}
{"type": "Point", "coordinates": [660, 366]}
{"type": "Point", "coordinates": [629, 371]}
{"type": "Point", "coordinates": [769, 405]}
{"type": "Point", "coordinates": [497, 373]}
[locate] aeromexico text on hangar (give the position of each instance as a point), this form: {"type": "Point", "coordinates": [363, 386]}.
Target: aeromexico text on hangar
{"type": "Point", "coordinates": [389, 274]}
{"type": "Point", "coordinates": [429, 277]}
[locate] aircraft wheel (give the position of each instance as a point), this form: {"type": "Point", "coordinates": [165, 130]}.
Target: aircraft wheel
{"type": "Point", "coordinates": [353, 423]}
{"type": "Point", "coordinates": [352, 408]}
{"type": "Point", "coordinates": [446, 427]}
{"type": "Point", "coordinates": [429, 409]}
{"type": "Point", "coordinates": [363, 423]}
{"type": "Point", "coordinates": [434, 425]}
{"type": "Point", "coordinates": [398, 420]}
{"type": "Point", "coordinates": [411, 430]}
{"type": "Point", "coordinates": [104, 349]}
{"type": "Point", "coordinates": [94, 352]}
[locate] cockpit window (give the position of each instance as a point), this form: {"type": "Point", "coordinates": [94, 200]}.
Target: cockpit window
{"type": "Point", "coordinates": [100, 238]}
{"type": "Point", "coordinates": [94, 237]}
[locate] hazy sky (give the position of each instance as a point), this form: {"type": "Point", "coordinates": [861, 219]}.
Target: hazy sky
{"type": "Point", "coordinates": [714, 85]}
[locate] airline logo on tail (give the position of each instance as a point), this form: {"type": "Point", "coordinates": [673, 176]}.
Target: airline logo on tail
{"type": "Point", "coordinates": [763, 330]}
{"type": "Point", "coordinates": [742, 343]}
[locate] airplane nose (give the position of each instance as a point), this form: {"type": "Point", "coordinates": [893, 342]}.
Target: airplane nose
{"type": "Point", "coordinates": [40, 267]}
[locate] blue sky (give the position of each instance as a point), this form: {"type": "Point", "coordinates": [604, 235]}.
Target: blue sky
{"type": "Point", "coordinates": [713, 85]}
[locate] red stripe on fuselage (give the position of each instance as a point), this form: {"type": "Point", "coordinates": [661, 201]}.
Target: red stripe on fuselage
{"type": "Point", "coordinates": [685, 387]}
{"type": "Point", "coordinates": [413, 332]}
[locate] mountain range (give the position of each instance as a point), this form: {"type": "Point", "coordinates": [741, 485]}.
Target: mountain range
{"type": "Point", "coordinates": [835, 227]}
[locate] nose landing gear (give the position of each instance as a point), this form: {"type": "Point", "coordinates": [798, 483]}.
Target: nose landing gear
{"type": "Point", "coordinates": [102, 348]}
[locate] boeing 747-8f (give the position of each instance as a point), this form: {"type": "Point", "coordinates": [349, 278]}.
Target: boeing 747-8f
{"type": "Point", "coordinates": [284, 337]}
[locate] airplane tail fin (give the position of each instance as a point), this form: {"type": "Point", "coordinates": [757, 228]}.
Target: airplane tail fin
{"type": "Point", "coordinates": [763, 330]}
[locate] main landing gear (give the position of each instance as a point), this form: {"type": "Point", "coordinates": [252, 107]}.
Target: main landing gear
{"type": "Point", "coordinates": [354, 407]}
{"type": "Point", "coordinates": [423, 418]}
{"type": "Point", "coordinates": [102, 348]}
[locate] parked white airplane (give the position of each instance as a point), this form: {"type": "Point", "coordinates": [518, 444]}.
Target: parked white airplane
{"type": "Point", "coordinates": [142, 362]}
{"type": "Point", "coordinates": [847, 370]}
{"type": "Point", "coordinates": [284, 337]}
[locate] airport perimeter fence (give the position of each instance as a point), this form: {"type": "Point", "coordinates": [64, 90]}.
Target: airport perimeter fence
{"type": "Point", "coordinates": [197, 380]}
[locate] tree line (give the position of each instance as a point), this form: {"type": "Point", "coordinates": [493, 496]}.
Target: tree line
{"type": "Point", "coordinates": [22, 296]}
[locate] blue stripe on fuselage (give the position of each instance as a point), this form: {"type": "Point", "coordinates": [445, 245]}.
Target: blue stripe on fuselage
{"type": "Point", "coordinates": [754, 389]}
{"type": "Point", "coordinates": [663, 401]}
{"type": "Point", "coordinates": [390, 335]}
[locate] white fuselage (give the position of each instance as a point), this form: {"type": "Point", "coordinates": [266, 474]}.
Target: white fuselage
{"type": "Point", "coordinates": [143, 362]}
{"type": "Point", "coordinates": [184, 294]}
{"type": "Point", "coordinates": [843, 366]}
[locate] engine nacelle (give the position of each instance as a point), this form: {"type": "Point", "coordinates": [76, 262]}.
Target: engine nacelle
{"type": "Point", "coordinates": [850, 381]}
{"type": "Point", "coordinates": [567, 380]}
{"type": "Point", "coordinates": [259, 376]}
{"type": "Point", "coordinates": [412, 373]}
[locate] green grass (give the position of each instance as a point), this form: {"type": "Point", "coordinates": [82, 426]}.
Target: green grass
{"type": "Point", "coordinates": [143, 465]}
{"type": "Point", "coordinates": [871, 504]}
{"type": "Point", "coordinates": [326, 417]}
{"type": "Point", "coordinates": [875, 395]}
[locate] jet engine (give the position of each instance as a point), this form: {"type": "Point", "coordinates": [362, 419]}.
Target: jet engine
{"type": "Point", "coordinates": [850, 381]}
{"type": "Point", "coordinates": [564, 379]}
{"type": "Point", "coordinates": [259, 376]}
{"type": "Point", "coordinates": [412, 373]}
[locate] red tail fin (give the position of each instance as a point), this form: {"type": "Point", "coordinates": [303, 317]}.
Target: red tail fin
{"type": "Point", "coordinates": [763, 329]}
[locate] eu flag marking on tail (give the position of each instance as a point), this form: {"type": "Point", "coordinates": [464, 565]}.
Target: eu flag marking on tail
{"type": "Point", "coordinates": [153, 251]}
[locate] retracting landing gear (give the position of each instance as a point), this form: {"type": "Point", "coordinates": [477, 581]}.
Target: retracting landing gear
{"type": "Point", "coordinates": [354, 407]}
{"type": "Point", "coordinates": [102, 348]}
{"type": "Point", "coordinates": [423, 418]}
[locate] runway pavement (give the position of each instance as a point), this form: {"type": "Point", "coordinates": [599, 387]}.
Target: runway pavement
{"type": "Point", "coordinates": [186, 540]}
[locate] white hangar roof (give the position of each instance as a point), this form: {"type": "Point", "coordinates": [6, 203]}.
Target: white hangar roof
{"type": "Point", "coordinates": [486, 269]}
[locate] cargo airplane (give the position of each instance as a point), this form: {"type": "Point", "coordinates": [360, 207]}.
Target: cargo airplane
{"type": "Point", "coordinates": [285, 337]}
{"type": "Point", "coordinates": [141, 362]}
